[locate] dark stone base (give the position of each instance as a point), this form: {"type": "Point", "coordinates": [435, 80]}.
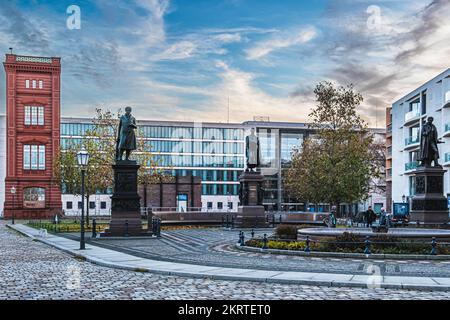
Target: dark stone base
{"type": "Point", "coordinates": [251, 217]}
{"type": "Point", "coordinates": [429, 205]}
{"type": "Point", "coordinates": [125, 224]}
{"type": "Point", "coordinates": [429, 217]}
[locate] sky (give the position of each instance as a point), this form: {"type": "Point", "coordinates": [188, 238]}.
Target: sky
{"type": "Point", "coordinates": [191, 59]}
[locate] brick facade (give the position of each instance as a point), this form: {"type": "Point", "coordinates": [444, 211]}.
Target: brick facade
{"type": "Point", "coordinates": [31, 81]}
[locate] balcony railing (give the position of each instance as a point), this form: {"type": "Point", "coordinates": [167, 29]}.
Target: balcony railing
{"type": "Point", "coordinates": [411, 165]}
{"type": "Point", "coordinates": [412, 114]}
{"type": "Point", "coordinates": [389, 129]}
{"type": "Point", "coordinates": [411, 140]}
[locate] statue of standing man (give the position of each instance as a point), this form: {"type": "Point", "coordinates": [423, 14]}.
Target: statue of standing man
{"type": "Point", "coordinates": [252, 151]}
{"type": "Point", "coordinates": [429, 151]}
{"type": "Point", "coordinates": [126, 139]}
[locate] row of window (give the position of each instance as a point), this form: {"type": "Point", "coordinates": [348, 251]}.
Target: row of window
{"type": "Point", "coordinates": [195, 147]}
{"type": "Point", "coordinates": [209, 205]}
{"type": "Point", "coordinates": [220, 189]}
{"type": "Point", "coordinates": [92, 205]}
{"type": "Point", "coordinates": [79, 129]}
{"type": "Point", "coordinates": [34, 84]}
{"type": "Point", "coordinates": [198, 161]}
{"type": "Point", "coordinates": [207, 175]}
{"type": "Point", "coordinates": [34, 157]}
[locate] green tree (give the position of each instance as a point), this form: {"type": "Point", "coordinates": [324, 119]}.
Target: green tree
{"type": "Point", "coordinates": [335, 164]}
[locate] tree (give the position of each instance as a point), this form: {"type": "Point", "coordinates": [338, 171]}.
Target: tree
{"type": "Point", "coordinates": [334, 165]}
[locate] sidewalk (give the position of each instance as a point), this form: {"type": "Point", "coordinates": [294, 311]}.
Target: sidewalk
{"type": "Point", "coordinates": [114, 259]}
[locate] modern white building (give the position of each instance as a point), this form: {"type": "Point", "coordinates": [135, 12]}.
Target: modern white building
{"type": "Point", "coordinates": [2, 161]}
{"type": "Point", "coordinates": [409, 113]}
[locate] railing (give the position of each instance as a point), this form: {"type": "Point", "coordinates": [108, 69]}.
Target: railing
{"type": "Point", "coordinates": [411, 165]}
{"type": "Point", "coordinates": [412, 114]}
{"type": "Point", "coordinates": [411, 140]}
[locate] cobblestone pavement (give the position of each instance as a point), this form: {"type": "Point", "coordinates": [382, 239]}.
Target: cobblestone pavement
{"type": "Point", "coordinates": [215, 247]}
{"type": "Point", "coordinates": [32, 270]}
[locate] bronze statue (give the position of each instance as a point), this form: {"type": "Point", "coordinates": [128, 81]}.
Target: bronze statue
{"type": "Point", "coordinates": [429, 144]}
{"type": "Point", "coordinates": [126, 138]}
{"type": "Point", "coordinates": [252, 151]}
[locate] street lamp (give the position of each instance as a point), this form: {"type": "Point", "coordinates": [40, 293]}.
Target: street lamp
{"type": "Point", "coordinates": [83, 160]}
{"type": "Point", "coordinates": [13, 192]}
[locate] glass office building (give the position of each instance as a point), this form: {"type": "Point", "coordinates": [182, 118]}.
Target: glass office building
{"type": "Point", "coordinates": [212, 151]}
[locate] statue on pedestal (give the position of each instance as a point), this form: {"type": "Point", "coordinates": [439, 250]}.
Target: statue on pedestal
{"type": "Point", "coordinates": [126, 138]}
{"type": "Point", "coordinates": [252, 151]}
{"type": "Point", "coordinates": [429, 151]}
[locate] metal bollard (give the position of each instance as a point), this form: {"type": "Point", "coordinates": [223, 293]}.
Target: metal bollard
{"type": "Point", "coordinates": [227, 225]}
{"type": "Point", "coordinates": [94, 228]}
{"type": "Point", "coordinates": [280, 219]}
{"type": "Point", "coordinates": [240, 235]}
{"type": "Point", "coordinates": [307, 248]}
{"type": "Point", "coordinates": [126, 228]}
{"type": "Point", "coordinates": [253, 233]}
{"type": "Point", "coordinates": [273, 221]}
{"type": "Point", "coordinates": [433, 246]}
{"type": "Point", "coordinates": [242, 239]}
{"type": "Point", "coordinates": [265, 241]}
{"type": "Point", "coordinates": [367, 243]}
{"type": "Point", "coordinates": [159, 227]}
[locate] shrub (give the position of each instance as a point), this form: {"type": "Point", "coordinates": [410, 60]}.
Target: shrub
{"type": "Point", "coordinates": [284, 231]}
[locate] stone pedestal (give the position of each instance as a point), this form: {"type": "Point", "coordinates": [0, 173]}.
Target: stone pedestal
{"type": "Point", "coordinates": [251, 213]}
{"type": "Point", "coordinates": [125, 204]}
{"type": "Point", "coordinates": [429, 205]}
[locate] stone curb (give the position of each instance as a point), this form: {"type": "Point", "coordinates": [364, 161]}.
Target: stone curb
{"type": "Point", "coordinates": [311, 282]}
{"type": "Point", "coordinates": [375, 256]}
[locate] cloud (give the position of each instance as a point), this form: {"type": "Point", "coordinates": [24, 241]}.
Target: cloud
{"type": "Point", "coordinates": [278, 42]}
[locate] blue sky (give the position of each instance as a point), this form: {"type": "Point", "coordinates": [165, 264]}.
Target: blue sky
{"type": "Point", "coordinates": [180, 59]}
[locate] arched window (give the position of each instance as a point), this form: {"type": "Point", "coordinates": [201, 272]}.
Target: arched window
{"type": "Point", "coordinates": [34, 197]}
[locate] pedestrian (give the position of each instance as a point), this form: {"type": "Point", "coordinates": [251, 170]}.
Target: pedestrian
{"type": "Point", "coordinates": [384, 218]}
{"type": "Point", "coordinates": [370, 217]}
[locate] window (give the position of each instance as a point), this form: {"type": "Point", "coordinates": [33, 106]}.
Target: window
{"type": "Point", "coordinates": [34, 197]}
{"type": "Point", "coordinates": [103, 205]}
{"type": "Point", "coordinates": [33, 157]}
{"type": "Point", "coordinates": [79, 205]}
{"type": "Point", "coordinates": [27, 84]}
{"type": "Point", "coordinates": [69, 205]}
{"type": "Point", "coordinates": [34, 115]}
{"type": "Point", "coordinates": [220, 205]}
{"type": "Point", "coordinates": [91, 205]}
{"type": "Point", "coordinates": [209, 205]}
{"type": "Point", "coordinates": [230, 205]}
{"type": "Point", "coordinates": [41, 84]}
{"type": "Point", "coordinates": [34, 84]}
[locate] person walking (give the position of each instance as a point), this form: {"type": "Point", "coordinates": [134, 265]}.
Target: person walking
{"type": "Point", "coordinates": [370, 214]}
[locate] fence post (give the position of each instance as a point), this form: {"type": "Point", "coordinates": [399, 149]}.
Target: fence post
{"type": "Point", "coordinates": [265, 241]}
{"type": "Point", "coordinates": [433, 246]}
{"type": "Point", "coordinates": [94, 228]}
{"type": "Point", "coordinates": [307, 248]}
{"type": "Point", "coordinates": [367, 243]}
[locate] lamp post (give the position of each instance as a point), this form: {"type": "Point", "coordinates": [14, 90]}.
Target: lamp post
{"type": "Point", "coordinates": [83, 160]}
{"type": "Point", "coordinates": [13, 192]}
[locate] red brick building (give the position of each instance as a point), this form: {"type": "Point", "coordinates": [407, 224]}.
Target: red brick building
{"type": "Point", "coordinates": [33, 135]}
